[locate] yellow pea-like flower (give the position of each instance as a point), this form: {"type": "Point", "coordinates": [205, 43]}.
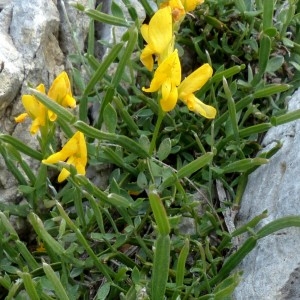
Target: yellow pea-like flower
{"type": "Point", "coordinates": [35, 110]}
{"type": "Point", "coordinates": [158, 35]}
{"type": "Point", "coordinates": [180, 8]}
{"type": "Point", "coordinates": [194, 82]}
{"type": "Point", "coordinates": [61, 92]}
{"type": "Point", "coordinates": [74, 152]}
{"type": "Point", "coordinates": [166, 79]}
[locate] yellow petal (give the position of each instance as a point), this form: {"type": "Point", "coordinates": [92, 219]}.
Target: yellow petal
{"type": "Point", "coordinates": [41, 88]}
{"type": "Point", "coordinates": [169, 96]}
{"type": "Point", "coordinates": [195, 81]}
{"type": "Point", "coordinates": [80, 167]}
{"type": "Point", "coordinates": [178, 11]}
{"type": "Point", "coordinates": [71, 147]}
{"type": "Point", "coordinates": [52, 116]}
{"type": "Point", "coordinates": [60, 90]}
{"type": "Point", "coordinates": [69, 101]}
{"type": "Point", "coordinates": [55, 158]}
{"type": "Point", "coordinates": [20, 118]}
{"type": "Point", "coordinates": [144, 31]}
{"type": "Point", "coordinates": [169, 68]}
{"type": "Point", "coordinates": [160, 31]}
{"type": "Point", "coordinates": [75, 152]}
{"type": "Point", "coordinates": [31, 106]}
{"type": "Point", "coordinates": [146, 57]}
{"type": "Point", "coordinates": [197, 106]}
{"type": "Point", "coordinates": [36, 123]}
{"type": "Point", "coordinates": [190, 5]}
{"type": "Point", "coordinates": [63, 175]}
{"type": "Point", "coordinates": [36, 111]}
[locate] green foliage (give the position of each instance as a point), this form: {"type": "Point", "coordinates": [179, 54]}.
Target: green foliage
{"type": "Point", "coordinates": [127, 241]}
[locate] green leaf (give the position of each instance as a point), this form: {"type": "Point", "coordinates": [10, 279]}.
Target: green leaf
{"type": "Point", "coordinates": [102, 68]}
{"type": "Point", "coordinates": [24, 252]}
{"type": "Point", "coordinates": [61, 112]}
{"type": "Point", "coordinates": [56, 282]}
{"type": "Point", "coordinates": [117, 11]}
{"type": "Point", "coordinates": [226, 288]}
{"type": "Point", "coordinates": [135, 275]}
{"type": "Point", "coordinates": [160, 270]}
{"type": "Point", "coordinates": [7, 225]}
{"type": "Point", "coordinates": [159, 212]}
{"type": "Point", "coordinates": [195, 165]}
{"type": "Point", "coordinates": [142, 181]}
{"type": "Point", "coordinates": [227, 73]}
{"type": "Point", "coordinates": [118, 200]}
{"type": "Point", "coordinates": [164, 149]}
{"type": "Point", "coordinates": [273, 226]}
{"type": "Point", "coordinates": [25, 189]}
{"type": "Point", "coordinates": [21, 146]}
{"type": "Point", "coordinates": [105, 18]}
{"type": "Point", "coordinates": [125, 116]}
{"type": "Point", "coordinates": [271, 89]}
{"type": "Point", "coordinates": [144, 142]}
{"type": "Point", "coordinates": [271, 32]}
{"type": "Point", "coordinates": [288, 117]}
{"type": "Point", "coordinates": [244, 165]}
{"type": "Point", "coordinates": [268, 8]}
{"type": "Point", "coordinates": [275, 63]}
{"type": "Point", "coordinates": [240, 5]}
{"type": "Point", "coordinates": [103, 291]}
{"type": "Point", "coordinates": [180, 271]}
{"type": "Point", "coordinates": [231, 109]}
{"type": "Point", "coordinates": [110, 118]}
{"type": "Point", "coordinates": [39, 228]}
{"type": "Point", "coordinates": [264, 52]}
{"type": "Point", "coordinates": [16, 209]}
{"type": "Point", "coordinates": [121, 140]}
{"type": "Point", "coordinates": [29, 285]}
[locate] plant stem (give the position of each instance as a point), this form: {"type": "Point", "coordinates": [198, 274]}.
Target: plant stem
{"type": "Point", "coordinates": [160, 117]}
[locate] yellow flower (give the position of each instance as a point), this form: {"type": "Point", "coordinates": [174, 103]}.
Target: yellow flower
{"type": "Point", "coordinates": [181, 7]}
{"type": "Point", "coordinates": [193, 83]}
{"type": "Point", "coordinates": [60, 91]}
{"type": "Point", "coordinates": [190, 5]}
{"type": "Point", "coordinates": [74, 153]}
{"type": "Point", "coordinates": [167, 77]}
{"type": "Point", "coordinates": [177, 8]}
{"type": "Point", "coordinates": [35, 110]}
{"type": "Point", "coordinates": [158, 36]}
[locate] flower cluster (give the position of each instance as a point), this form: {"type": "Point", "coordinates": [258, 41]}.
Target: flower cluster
{"type": "Point", "coordinates": [60, 92]}
{"type": "Point", "coordinates": [75, 151]}
{"type": "Point", "coordinates": [159, 36]}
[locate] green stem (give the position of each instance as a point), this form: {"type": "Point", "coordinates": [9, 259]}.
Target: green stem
{"type": "Point", "coordinates": [160, 117]}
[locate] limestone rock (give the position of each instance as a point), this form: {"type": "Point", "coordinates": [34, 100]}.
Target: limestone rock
{"type": "Point", "coordinates": [271, 270]}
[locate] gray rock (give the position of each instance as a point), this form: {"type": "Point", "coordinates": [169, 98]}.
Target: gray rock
{"type": "Point", "coordinates": [271, 270]}
{"type": "Point", "coordinates": [3, 3]}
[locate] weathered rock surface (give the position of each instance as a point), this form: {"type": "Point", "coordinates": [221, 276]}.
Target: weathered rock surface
{"type": "Point", "coordinates": [272, 269]}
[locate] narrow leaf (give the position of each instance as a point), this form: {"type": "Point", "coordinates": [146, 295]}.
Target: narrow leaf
{"type": "Point", "coordinates": [159, 212]}
{"type": "Point", "coordinates": [160, 270]}
{"type": "Point", "coordinates": [56, 283]}
{"type": "Point", "coordinates": [195, 165]}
